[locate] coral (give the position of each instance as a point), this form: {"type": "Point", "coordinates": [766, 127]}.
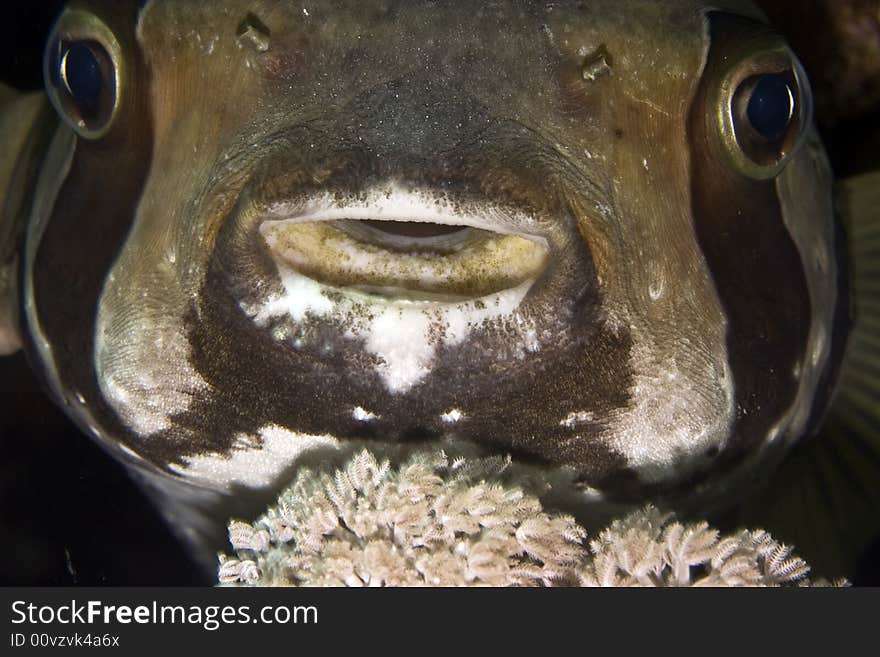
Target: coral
{"type": "Point", "coordinates": [647, 548]}
{"type": "Point", "coordinates": [436, 522]}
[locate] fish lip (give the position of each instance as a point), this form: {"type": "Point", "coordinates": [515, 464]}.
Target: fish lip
{"type": "Point", "coordinates": [490, 190]}
{"type": "Point", "coordinates": [447, 279]}
{"type": "Point", "coordinates": [396, 202]}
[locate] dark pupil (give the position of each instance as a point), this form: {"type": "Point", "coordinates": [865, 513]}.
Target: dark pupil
{"type": "Point", "coordinates": [771, 106]}
{"type": "Point", "coordinates": [82, 73]}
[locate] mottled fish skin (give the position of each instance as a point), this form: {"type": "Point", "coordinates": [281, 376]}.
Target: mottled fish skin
{"type": "Point", "coordinates": [674, 337]}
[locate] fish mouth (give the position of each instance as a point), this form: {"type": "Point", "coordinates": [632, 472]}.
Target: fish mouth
{"type": "Point", "coordinates": [400, 244]}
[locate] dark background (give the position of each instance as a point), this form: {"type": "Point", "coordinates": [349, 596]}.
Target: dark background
{"type": "Point", "coordinates": [68, 512]}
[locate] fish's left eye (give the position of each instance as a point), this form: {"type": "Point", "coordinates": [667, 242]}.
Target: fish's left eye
{"type": "Point", "coordinates": [82, 68]}
{"type": "Point", "coordinates": [771, 105]}
{"type": "Point", "coordinates": [764, 107]}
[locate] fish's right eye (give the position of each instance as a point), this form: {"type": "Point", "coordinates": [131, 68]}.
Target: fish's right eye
{"type": "Point", "coordinates": [82, 72]}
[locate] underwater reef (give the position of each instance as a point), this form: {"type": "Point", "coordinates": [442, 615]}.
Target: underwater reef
{"type": "Point", "coordinates": [436, 521]}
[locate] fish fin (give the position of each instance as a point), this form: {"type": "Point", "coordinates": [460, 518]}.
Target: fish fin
{"type": "Point", "coordinates": [23, 132]}
{"type": "Point", "coordinates": [825, 497]}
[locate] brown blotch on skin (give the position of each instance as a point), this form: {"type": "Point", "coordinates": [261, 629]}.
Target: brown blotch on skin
{"type": "Point", "coordinates": [754, 262]}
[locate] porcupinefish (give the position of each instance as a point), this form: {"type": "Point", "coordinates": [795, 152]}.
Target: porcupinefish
{"type": "Point", "coordinates": [594, 235]}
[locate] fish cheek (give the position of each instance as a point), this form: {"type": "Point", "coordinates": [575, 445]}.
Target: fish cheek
{"type": "Point", "coordinates": [85, 230]}
{"type": "Point", "coordinates": [756, 268]}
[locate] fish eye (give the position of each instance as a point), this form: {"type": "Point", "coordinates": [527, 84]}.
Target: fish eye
{"type": "Point", "coordinates": [764, 108]}
{"type": "Point", "coordinates": [82, 68]}
{"type": "Point", "coordinates": [771, 106]}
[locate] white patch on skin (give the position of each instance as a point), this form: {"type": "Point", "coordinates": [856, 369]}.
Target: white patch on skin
{"type": "Point", "coordinates": [361, 414]}
{"type": "Point", "coordinates": [253, 465]}
{"type": "Point", "coordinates": [452, 416]}
{"type": "Point", "coordinates": [531, 340]}
{"type": "Point", "coordinates": [576, 418]}
{"type": "Point", "coordinates": [403, 334]}
{"type": "Point", "coordinates": [142, 388]}
{"type": "Point", "coordinates": [302, 295]}
{"type": "Point", "coordinates": [674, 417]}
{"type": "Point", "coordinates": [656, 289]}
{"type": "Point", "coordinates": [401, 340]}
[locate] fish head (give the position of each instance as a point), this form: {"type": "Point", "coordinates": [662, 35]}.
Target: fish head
{"type": "Point", "coordinates": [595, 235]}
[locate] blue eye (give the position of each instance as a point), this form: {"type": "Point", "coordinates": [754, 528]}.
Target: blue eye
{"type": "Point", "coordinates": [771, 106]}
{"type": "Point", "coordinates": [82, 74]}
{"type": "Point", "coordinates": [83, 66]}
